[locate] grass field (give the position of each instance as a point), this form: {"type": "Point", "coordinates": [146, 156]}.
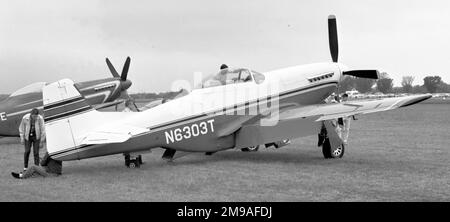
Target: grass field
{"type": "Point", "coordinates": [400, 155]}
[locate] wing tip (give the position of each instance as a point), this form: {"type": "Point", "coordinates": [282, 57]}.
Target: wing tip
{"type": "Point", "coordinates": [416, 100]}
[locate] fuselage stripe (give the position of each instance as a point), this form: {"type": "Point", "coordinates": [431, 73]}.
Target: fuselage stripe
{"type": "Point", "coordinates": [248, 103]}
{"type": "Point", "coordinates": [67, 114]}
{"type": "Point", "coordinates": [63, 102]}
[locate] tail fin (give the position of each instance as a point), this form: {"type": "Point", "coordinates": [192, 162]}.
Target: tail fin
{"type": "Point", "coordinates": [62, 100]}
{"type": "Point", "coordinates": [72, 123]}
{"type": "Point", "coordinates": [63, 107]}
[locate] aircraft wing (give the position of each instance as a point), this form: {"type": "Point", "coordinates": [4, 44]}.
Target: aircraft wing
{"type": "Point", "coordinates": [337, 110]}
{"type": "Point", "coordinates": [298, 121]}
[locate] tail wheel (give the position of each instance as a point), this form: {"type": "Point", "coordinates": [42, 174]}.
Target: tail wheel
{"type": "Point", "coordinates": [250, 149]}
{"type": "Point", "coordinates": [134, 164]}
{"type": "Point", "coordinates": [330, 153]}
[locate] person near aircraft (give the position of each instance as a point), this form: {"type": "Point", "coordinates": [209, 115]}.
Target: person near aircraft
{"type": "Point", "coordinates": [223, 66]}
{"type": "Point", "coordinates": [346, 123]}
{"type": "Point", "coordinates": [49, 167]}
{"type": "Point", "coordinates": [340, 121]}
{"type": "Point", "coordinates": [222, 76]}
{"type": "Point", "coordinates": [32, 133]}
{"type": "Point", "coordinates": [337, 123]}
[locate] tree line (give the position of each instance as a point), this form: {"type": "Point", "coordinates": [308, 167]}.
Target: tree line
{"type": "Point", "coordinates": [431, 84]}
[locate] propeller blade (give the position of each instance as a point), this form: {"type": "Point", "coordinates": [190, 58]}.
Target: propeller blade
{"type": "Point", "coordinates": [368, 74]}
{"type": "Point", "coordinates": [333, 37]}
{"type": "Point", "coordinates": [126, 66]}
{"type": "Point", "coordinates": [112, 69]}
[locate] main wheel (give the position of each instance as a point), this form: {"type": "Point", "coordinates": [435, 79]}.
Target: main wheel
{"type": "Point", "coordinates": [338, 152]}
{"type": "Point", "coordinates": [329, 153]}
{"type": "Point", "coordinates": [250, 149]}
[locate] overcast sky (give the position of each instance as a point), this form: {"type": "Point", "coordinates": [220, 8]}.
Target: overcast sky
{"type": "Point", "coordinates": [170, 40]}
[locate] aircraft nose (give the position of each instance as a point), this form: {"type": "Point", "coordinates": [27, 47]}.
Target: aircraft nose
{"type": "Point", "coordinates": [342, 67]}
{"type": "Point", "coordinates": [126, 84]}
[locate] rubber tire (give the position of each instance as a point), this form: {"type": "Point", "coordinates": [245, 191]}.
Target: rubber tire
{"type": "Point", "coordinates": [339, 154]}
{"type": "Point", "coordinates": [248, 149]}
{"type": "Point", "coordinates": [328, 153]}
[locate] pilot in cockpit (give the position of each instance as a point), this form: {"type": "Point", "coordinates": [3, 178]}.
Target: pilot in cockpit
{"type": "Point", "coordinates": [222, 75]}
{"type": "Point", "coordinates": [223, 66]}
{"type": "Point", "coordinates": [228, 76]}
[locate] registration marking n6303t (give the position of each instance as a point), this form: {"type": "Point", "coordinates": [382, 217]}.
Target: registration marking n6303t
{"type": "Point", "coordinates": [189, 131]}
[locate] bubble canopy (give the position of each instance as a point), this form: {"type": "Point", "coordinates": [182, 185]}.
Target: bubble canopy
{"type": "Point", "coordinates": [231, 76]}
{"type": "Point", "coordinates": [32, 88]}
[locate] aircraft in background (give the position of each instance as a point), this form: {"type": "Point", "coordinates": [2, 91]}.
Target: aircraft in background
{"type": "Point", "coordinates": [99, 93]}
{"type": "Point", "coordinates": [289, 103]}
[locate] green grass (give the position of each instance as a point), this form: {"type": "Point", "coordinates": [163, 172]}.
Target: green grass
{"type": "Point", "coordinates": [400, 155]}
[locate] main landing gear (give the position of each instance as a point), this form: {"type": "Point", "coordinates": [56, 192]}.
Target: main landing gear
{"type": "Point", "coordinates": [331, 143]}
{"type": "Point", "coordinates": [133, 161]}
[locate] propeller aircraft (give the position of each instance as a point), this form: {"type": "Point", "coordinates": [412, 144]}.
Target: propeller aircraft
{"type": "Point", "coordinates": [99, 93]}
{"type": "Point", "coordinates": [234, 109]}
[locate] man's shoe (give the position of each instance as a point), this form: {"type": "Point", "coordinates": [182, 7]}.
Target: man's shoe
{"type": "Point", "coordinates": [15, 175]}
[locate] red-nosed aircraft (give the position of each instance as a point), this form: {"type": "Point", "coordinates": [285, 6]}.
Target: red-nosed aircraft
{"type": "Point", "coordinates": [99, 93]}
{"type": "Point", "coordinates": [233, 109]}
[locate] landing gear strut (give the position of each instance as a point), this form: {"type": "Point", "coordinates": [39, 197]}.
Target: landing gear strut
{"type": "Point", "coordinates": [133, 162]}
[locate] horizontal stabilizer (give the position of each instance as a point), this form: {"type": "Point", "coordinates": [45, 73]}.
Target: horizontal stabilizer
{"type": "Point", "coordinates": [117, 134]}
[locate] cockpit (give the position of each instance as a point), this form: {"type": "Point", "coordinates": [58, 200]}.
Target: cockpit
{"type": "Point", "coordinates": [232, 76]}
{"type": "Point", "coordinates": [32, 88]}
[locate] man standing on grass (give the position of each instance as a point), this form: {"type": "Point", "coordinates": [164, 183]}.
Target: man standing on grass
{"type": "Point", "coordinates": [32, 133]}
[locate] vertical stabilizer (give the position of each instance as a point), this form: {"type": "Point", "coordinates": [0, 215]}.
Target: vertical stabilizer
{"type": "Point", "coordinates": [65, 110]}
